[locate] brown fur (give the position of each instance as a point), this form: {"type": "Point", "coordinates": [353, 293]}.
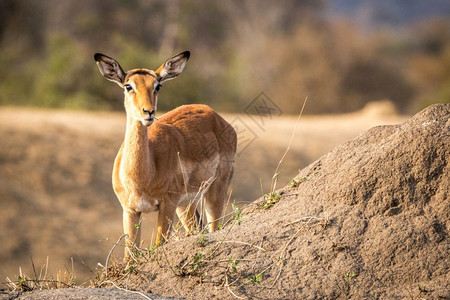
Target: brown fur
{"type": "Point", "coordinates": [163, 160]}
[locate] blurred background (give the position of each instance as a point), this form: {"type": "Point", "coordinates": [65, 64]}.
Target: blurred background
{"type": "Point", "coordinates": [360, 63]}
{"type": "Point", "coordinates": [341, 53]}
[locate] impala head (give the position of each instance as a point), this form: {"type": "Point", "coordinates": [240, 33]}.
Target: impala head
{"type": "Point", "coordinates": [141, 86]}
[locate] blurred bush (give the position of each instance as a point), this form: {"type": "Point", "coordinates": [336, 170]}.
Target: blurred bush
{"type": "Point", "coordinates": [239, 49]}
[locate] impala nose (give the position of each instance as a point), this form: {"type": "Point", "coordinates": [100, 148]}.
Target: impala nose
{"type": "Point", "coordinates": [149, 118]}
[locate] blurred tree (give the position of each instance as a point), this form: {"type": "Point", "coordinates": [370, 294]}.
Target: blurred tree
{"type": "Point", "coordinates": [429, 63]}
{"type": "Point", "coordinates": [22, 22]}
{"type": "Point", "coordinates": [290, 50]}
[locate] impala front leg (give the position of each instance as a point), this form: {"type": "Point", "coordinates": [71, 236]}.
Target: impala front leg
{"type": "Point", "coordinates": [131, 226]}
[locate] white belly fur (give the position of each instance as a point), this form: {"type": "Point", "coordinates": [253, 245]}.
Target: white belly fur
{"type": "Point", "coordinates": [146, 205]}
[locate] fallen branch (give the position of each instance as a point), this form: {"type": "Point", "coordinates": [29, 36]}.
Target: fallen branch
{"type": "Point", "coordinates": [111, 251]}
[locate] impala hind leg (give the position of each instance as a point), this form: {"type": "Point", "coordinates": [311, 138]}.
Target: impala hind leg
{"type": "Point", "coordinates": [166, 216]}
{"type": "Point", "coordinates": [186, 212]}
{"type": "Point", "coordinates": [216, 198]}
{"type": "Point", "coordinates": [131, 226]}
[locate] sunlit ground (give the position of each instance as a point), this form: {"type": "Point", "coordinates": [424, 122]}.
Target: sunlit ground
{"type": "Point", "coordinates": [56, 193]}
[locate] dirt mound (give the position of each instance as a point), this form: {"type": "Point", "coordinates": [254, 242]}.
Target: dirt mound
{"type": "Point", "coordinates": [55, 188]}
{"type": "Point", "coordinates": [368, 220]}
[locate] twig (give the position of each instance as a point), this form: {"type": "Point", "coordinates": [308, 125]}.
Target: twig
{"type": "Point", "coordinates": [141, 250]}
{"type": "Point", "coordinates": [257, 256]}
{"type": "Point", "coordinates": [84, 264]}
{"type": "Point", "coordinates": [34, 268]}
{"type": "Point", "coordinates": [213, 252]}
{"type": "Point", "coordinates": [183, 173]}
{"type": "Point", "coordinates": [246, 204]}
{"type": "Point", "coordinates": [215, 249]}
{"type": "Point", "coordinates": [230, 214]}
{"type": "Point", "coordinates": [307, 220]}
{"type": "Point", "coordinates": [126, 290]}
{"type": "Point", "coordinates": [230, 192]}
{"type": "Point", "coordinates": [227, 260]}
{"type": "Point", "coordinates": [244, 243]}
{"type": "Point", "coordinates": [111, 251]}
{"type": "Point", "coordinates": [281, 257]}
{"type": "Point", "coordinates": [168, 262]}
{"type": "Point", "coordinates": [70, 273]}
{"type": "Point", "coordinates": [11, 284]}
{"type": "Point", "coordinates": [202, 190]}
{"type": "Point", "coordinates": [231, 292]}
{"type": "Point", "coordinates": [261, 185]}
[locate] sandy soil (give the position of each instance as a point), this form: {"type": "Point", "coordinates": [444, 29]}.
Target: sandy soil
{"type": "Point", "coordinates": [368, 220]}
{"type": "Point", "coordinates": [55, 170]}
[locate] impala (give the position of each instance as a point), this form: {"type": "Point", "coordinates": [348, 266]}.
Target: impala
{"type": "Point", "coordinates": [164, 161]}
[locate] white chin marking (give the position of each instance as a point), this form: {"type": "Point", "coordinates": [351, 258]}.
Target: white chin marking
{"type": "Point", "coordinates": [147, 122]}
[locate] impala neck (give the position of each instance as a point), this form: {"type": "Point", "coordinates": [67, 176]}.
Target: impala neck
{"type": "Point", "coordinates": [136, 152]}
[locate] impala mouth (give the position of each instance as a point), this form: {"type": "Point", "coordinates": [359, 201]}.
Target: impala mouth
{"type": "Point", "coordinates": [147, 121]}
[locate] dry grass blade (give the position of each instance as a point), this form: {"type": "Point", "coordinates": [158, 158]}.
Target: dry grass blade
{"type": "Point", "coordinates": [25, 283]}
{"type": "Point", "coordinates": [275, 176]}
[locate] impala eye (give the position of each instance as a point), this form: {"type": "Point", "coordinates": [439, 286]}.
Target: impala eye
{"type": "Point", "coordinates": [158, 87]}
{"type": "Point", "coordinates": [128, 87]}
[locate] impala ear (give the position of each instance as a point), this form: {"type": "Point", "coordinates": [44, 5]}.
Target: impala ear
{"type": "Point", "coordinates": [110, 68]}
{"type": "Point", "coordinates": [172, 67]}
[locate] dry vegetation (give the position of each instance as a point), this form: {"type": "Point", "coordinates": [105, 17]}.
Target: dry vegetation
{"type": "Point", "coordinates": [239, 48]}
{"type": "Point", "coordinates": [56, 189]}
{"type": "Point", "coordinates": [367, 220]}
{"type": "Point", "coordinates": [59, 215]}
